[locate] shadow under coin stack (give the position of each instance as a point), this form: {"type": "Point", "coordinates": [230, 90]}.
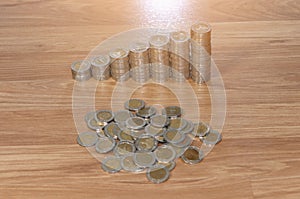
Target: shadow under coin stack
{"type": "Point", "coordinates": [159, 58]}
{"type": "Point", "coordinates": [200, 52]}
{"type": "Point", "coordinates": [119, 64]}
{"type": "Point", "coordinates": [101, 67]}
{"type": "Point", "coordinates": [139, 62]}
{"type": "Point", "coordinates": [81, 70]}
{"type": "Point", "coordinates": [179, 55]}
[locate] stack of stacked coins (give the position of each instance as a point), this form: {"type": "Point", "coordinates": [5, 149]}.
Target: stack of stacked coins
{"type": "Point", "coordinates": [101, 67]}
{"type": "Point", "coordinates": [139, 62]}
{"type": "Point", "coordinates": [200, 52]}
{"type": "Point", "coordinates": [179, 55]}
{"type": "Point", "coordinates": [159, 58]}
{"type": "Point", "coordinates": [81, 70]}
{"type": "Point", "coordinates": [119, 64]}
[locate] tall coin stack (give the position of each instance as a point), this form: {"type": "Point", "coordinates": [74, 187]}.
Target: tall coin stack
{"type": "Point", "coordinates": [139, 62]}
{"type": "Point", "coordinates": [180, 55]}
{"type": "Point", "coordinates": [101, 67]}
{"type": "Point", "coordinates": [81, 70]}
{"type": "Point", "coordinates": [159, 58]}
{"type": "Point", "coordinates": [119, 64]}
{"type": "Point", "coordinates": [200, 52]}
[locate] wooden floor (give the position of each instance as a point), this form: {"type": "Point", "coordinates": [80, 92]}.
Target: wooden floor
{"type": "Point", "coordinates": [256, 45]}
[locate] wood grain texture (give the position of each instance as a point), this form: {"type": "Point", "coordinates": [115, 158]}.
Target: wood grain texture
{"type": "Point", "coordinates": [256, 45]}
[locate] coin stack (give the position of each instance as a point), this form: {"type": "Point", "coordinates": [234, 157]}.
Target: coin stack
{"type": "Point", "coordinates": [119, 64]}
{"type": "Point", "coordinates": [137, 145]}
{"type": "Point", "coordinates": [159, 58]}
{"type": "Point", "coordinates": [100, 67]}
{"type": "Point", "coordinates": [201, 52]}
{"type": "Point", "coordinates": [179, 55]}
{"type": "Point", "coordinates": [139, 62]}
{"type": "Point", "coordinates": [81, 70]}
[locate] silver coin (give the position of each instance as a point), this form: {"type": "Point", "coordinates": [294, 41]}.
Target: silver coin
{"type": "Point", "coordinates": [146, 112]}
{"type": "Point", "coordinates": [200, 129]}
{"type": "Point", "coordinates": [212, 138]}
{"type": "Point", "coordinates": [111, 164]}
{"type": "Point", "coordinates": [90, 115]}
{"type": "Point", "coordinates": [158, 174]}
{"type": "Point", "coordinates": [144, 159]}
{"type": "Point", "coordinates": [124, 148]}
{"type": "Point", "coordinates": [124, 135]}
{"type": "Point", "coordinates": [179, 150]}
{"type": "Point", "coordinates": [188, 128]}
{"type": "Point", "coordinates": [95, 125]}
{"type": "Point", "coordinates": [173, 136]}
{"type": "Point", "coordinates": [154, 131]}
{"type": "Point", "coordinates": [135, 123]}
{"type": "Point", "coordinates": [187, 141]}
{"type": "Point", "coordinates": [146, 143]}
{"type": "Point", "coordinates": [105, 144]}
{"type": "Point", "coordinates": [87, 139]}
{"type": "Point", "coordinates": [121, 116]}
{"type": "Point", "coordinates": [192, 155]}
{"type": "Point", "coordinates": [169, 165]}
{"type": "Point", "coordinates": [178, 124]}
{"type": "Point", "coordinates": [172, 111]}
{"type": "Point", "coordinates": [112, 130]}
{"type": "Point", "coordinates": [165, 154]}
{"type": "Point", "coordinates": [81, 70]}
{"type": "Point", "coordinates": [129, 165]}
{"type": "Point", "coordinates": [134, 104]}
{"type": "Point", "coordinates": [104, 116]}
{"type": "Point", "coordinates": [100, 133]}
{"type": "Point", "coordinates": [159, 121]}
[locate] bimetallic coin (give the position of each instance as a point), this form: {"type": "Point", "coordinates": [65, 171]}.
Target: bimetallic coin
{"type": "Point", "coordinates": [146, 112]}
{"type": "Point", "coordinates": [89, 116]}
{"type": "Point", "coordinates": [111, 164]}
{"type": "Point", "coordinates": [105, 144]}
{"type": "Point", "coordinates": [154, 131]}
{"type": "Point", "coordinates": [192, 155]}
{"type": "Point", "coordinates": [144, 159]}
{"type": "Point", "coordinates": [178, 124]}
{"type": "Point", "coordinates": [146, 143]}
{"type": "Point", "coordinates": [104, 116]}
{"type": "Point", "coordinates": [112, 130]}
{"type": "Point", "coordinates": [188, 139]}
{"type": "Point", "coordinates": [128, 164]}
{"type": "Point", "coordinates": [188, 128]}
{"type": "Point", "coordinates": [94, 124]}
{"type": "Point", "coordinates": [173, 136]}
{"type": "Point", "coordinates": [87, 139]}
{"type": "Point", "coordinates": [159, 121]}
{"type": "Point", "coordinates": [165, 154]}
{"type": "Point", "coordinates": [158, 174]}
{"type": "Point", "coordinates": [120, 117]}
{"type": "Point", "coordinates": [124, 148]}
{"type": "Point", "coordinates": [169, 165]}
{"type": "Point", "coordinates": [200, 129]}
{"type": "Point", "coordinates": [134, 104]}
{"type": "Point", "coordinates": [212, 138]}
{"type": "Point", "coordinates": [100, 133]}
{"type": "Point", "coordinates": [125, 136]}
{"type": "Point", "coordinates": [179, 150]}
{"type": "Point", "coordinates": [135, 123]}
{"type": "Point", "coordinates": [172, 111]}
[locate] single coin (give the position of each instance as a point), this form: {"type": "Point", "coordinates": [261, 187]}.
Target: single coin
{"type": "Point", "coordinates": [173, 136]}
{"type": "Point", "coordinates": [124, 148]}
{"type": "Point", "coordinates": [104, 116]}
{"type": "Point", "coordinates": [187, 141]}
{"type": "Point", "coordinates": [112, 130]}
{"type": "Point", "coordinates": [165, 154]}
{"type": "Point", "coordinates": [144, 159]}
{"type": "Point", "coordinates": [90, 115]}
{"type": "Point", "coordinates": [158, 174]}
{"type": "Point", "coordinates": [146, 143]}
{"type": "Point", "coordinates": [146, 112]}
{"type": "Point", "coordinates": [95, 125]}
{"type": "Point", "coordinates": [200, 129]}
{"type": "Point", "coordinates": [192, 155]}
{"type": "Point", "coordinates": [125, 136]}
{"type": "Point", "coordinates": [128, 164]}
{"type": "Point", "coordinates": [154, 131]}
{"type": "Point", "coordinates": [172, 111]}
{"type": "Point", "coordinates": [169, 165]}
{"type": "Point", "coordinates": [105, 144]}
{"type": "Point", "coordinates": [111, 164]}
{"type": "Point", "coordinates": [121, 116]}
{"type": "Point", "coordinates": [135, 123]}
{"type": "Point", "coordinates": [188, 128]}
{"type": "Point", "coordinates": [212, 138]}
{"type": "Point", "coordinates": [134, 104]}
{"type": "Point", "coordinates": [159, 121]}
{"type": "Point", "coordinates": [87, 139]}
{"type": "Point", "coordinates": [178, 124]}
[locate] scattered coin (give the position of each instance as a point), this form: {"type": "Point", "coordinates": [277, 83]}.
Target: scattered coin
{"type": "Point", "coordinates": [128, 164]}
{"type": "Point", "coordinates": [87, 139]}
{"type": "Point", "coordinates": [144, 159]}
{"type": "Point", "coordinates": [172, 111]}
{"type": "Point", "coordinates": [158, 174]}
{"type": "Point", "coordinates": [169, 165]}
{"type": "Point", "coordinates": [188, 128]}
{"type": "Point", "coordinates": [120, 117]}
{"type": "Point", "coordinates": [178, 124]}
{"type": "Point", "coordinates": [124, 148]}
{"type": "Point", "coordinates": [95, 125]}
{"type": "Point", "coordinates": [173, 136]}
{"type": "Point", "coordinates": [111, 164]}
{"type": "Point", "coordinates": [146, 112]}
{"type": "Point", "coordinates": [154, 131]}
{"type": "Point", "coordinates": [100, 133]}
{"type": "Point", "coordinates": [104, 116]}
{"type": "Point", "coordinates": [112, 130]}
{"type": "Point", "coordinates": [179, 150]}
{"type": "Point", "coordinates": [134, 104]}
{"type": "Point", "coordinates": [135, 123]}
{"type": "Point", "coordinates": [165, 154]}
{"type": "Point", "coordinates": [192, 155]}
{"type": "Point", "coordinates": [212, 138]}
{"type": "Point", "coordinates": [146, 143]}
{"type": "Point", "coordinates": [200, 129]}
{"type": "Point", "coordinates": [105, 144]}
{"type": "Point", "coordinates": [159, 121]}
{"type": "Point", "coordinates": [125, 136]}
{"type": "Point", "coordinates": [187, 141]}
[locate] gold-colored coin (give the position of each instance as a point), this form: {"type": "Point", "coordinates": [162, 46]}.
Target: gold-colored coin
{"type": "Point", "coordinates": [158, 174]}
{"type": "Point", "coordinates": [112, 130]}
{"type": "Point", "coordinates": [178, 123]}
{"type": "Point", "coordinates": [173, 136]}
{"type": "Point", "coordinates": [200, 129]}
{"type": "Point", "coordinates": [124, 148]}
{"type": "Point", "coordinates": [134, 104]}
{"type": "Point", "coordinates": [146, 143]}
{"type": "Point", "coordinates": [104, 116]}
{"type": "Point", "coordinates": [192, 155]}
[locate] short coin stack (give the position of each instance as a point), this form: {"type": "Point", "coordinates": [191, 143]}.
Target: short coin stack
{"type": "Point", "coordinates": [138, 139]}
{"type": "Point", "coordinates": [101, 67]}
{"type": "Point", "coordinates": [180, 55]}
{"type": "Point", "coordinates": [119, 64]}
{"type": "Point", "coordinates": [159, 58]}
{"type": "Point", "coordinates": [81, 70]}
{"type": "Point", "coordinates": [201, 52]}
{"type": "Point", "coordinates": [139, 62]}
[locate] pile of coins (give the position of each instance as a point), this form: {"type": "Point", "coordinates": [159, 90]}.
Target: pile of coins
{"type": "Point", "coordinates": [139, 62]}
{"type": "Point", "coordinates": [200, 52]}
{"type": "Point", "coordinates": [139, 139]}
{"type": "Point", "coordinates": [186, 56]}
